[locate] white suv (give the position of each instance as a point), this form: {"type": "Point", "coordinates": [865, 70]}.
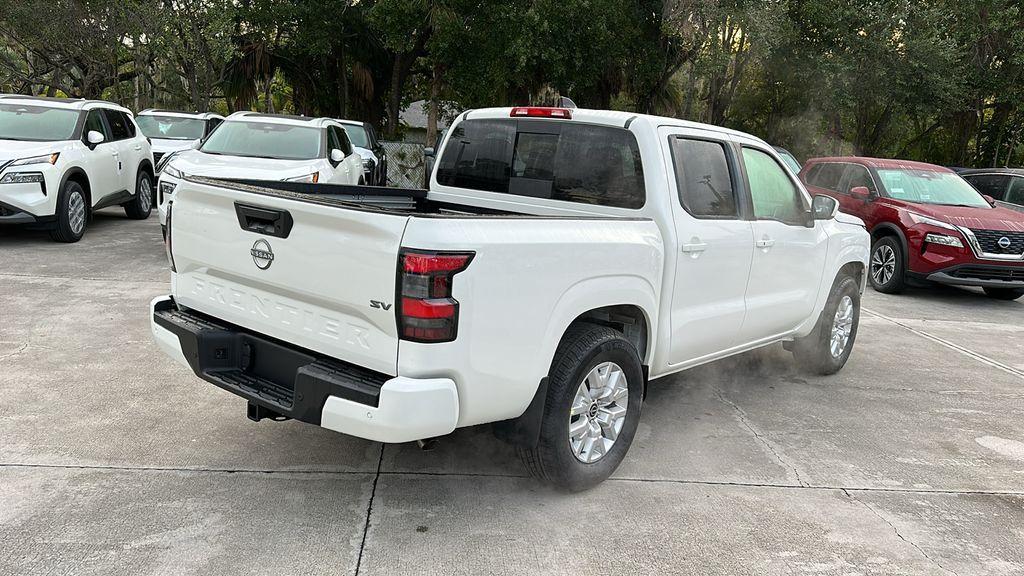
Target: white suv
{"type": "Point", "coordinates": [173, 131]}
{"type": "Point", "coordinates": [253, 146]}
{"type": "Point", "coordinates": [62, 159]}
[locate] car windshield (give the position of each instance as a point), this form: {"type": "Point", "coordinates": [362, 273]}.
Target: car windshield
{"type": "Point", "coordinates": [37, 123]}
{"type": "Point", "coordinates": [171, 127]}
{"type": "Point", "coordinates": [357, 134]}
{"type": "Point", "coordinates": [931, 187]}
{"type": "Point", "coordinates": [264, 140]}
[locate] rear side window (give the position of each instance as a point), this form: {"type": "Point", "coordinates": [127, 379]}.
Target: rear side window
{"type": "Point", "coordinates": [703, 178]}
{"type": "Point", "coordinates": [566, 161]}
{"type": "Point", "coordinates": [826, 176]}
{"type": "Point", "coordinates": [118, 125]}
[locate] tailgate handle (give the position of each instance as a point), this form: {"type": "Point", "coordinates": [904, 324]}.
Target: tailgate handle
{"type": "Point", "coordinates": [266, 221]}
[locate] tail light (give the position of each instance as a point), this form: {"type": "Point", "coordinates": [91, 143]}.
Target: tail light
{"type": "Point", "coordinates": [426, 310]}
{"type": "Point", "coordinates": [167, 238]}
{"type": "Point", "coordinates": [540, 112]}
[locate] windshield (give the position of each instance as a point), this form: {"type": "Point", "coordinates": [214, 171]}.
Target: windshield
{"type": "Point", "coordinates": [931, 187]}
{"type": "Point", "coordinates": [264, 140]}
{"type": "Point", "coordinates": [357, 134]}
{"type": "Point", "coordinates": [171, 128]}
{"type": "Point", "coordinates": [37, 123]}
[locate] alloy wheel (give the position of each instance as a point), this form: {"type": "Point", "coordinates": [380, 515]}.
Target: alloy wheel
{"type": "Point", "coordinates": [146, 192]}
{"type": "Point", "coordinates": [76, 212]}
{"type": "Point", "coordinates": [842, 326]}
{"type": "Point", "coordinates": [883, 264]}
{"type": "Point", "coordinates": [598, 412]}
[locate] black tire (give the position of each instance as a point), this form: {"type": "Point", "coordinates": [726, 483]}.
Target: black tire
{"type": "Point", "coordinates": [64, 230]}
{"type": "Point", "coordinates": [583, 348]}
{"type": "Point", "coordinates": [1004, 293]}
{"type": "Point", "coordinates": [814, 352]}
{"type": "Point", "coordinates": [891, 279]}
{"type": "Point", "coordinates": [141, 204]}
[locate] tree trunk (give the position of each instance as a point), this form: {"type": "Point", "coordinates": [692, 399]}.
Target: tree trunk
{"type": "Point", "coordinates": [435, 104]}
{"type": "Point", "coordinates": [395, 96]}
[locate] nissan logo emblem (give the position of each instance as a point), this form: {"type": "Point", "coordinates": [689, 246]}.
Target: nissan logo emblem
{"type": "Point", "coordinates": [262, 254]}
{"type": "Point", "coordinates": [1005, 243]}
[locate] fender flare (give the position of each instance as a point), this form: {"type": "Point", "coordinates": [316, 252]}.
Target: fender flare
{"type": "Point", "coordinates": [76, 171]}
{"type": "Point", "coordinates": [889, 226]}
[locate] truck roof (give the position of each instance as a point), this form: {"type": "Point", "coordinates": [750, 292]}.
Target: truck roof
{"type": "Point", "coordinates": [615, 118]}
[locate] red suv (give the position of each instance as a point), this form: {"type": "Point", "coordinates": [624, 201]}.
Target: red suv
{"type": "Point", "coordinates": [927, 224]}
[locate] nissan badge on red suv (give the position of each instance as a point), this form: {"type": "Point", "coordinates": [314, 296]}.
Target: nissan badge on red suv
{"type": "Point", "coordinates": [927, 224]}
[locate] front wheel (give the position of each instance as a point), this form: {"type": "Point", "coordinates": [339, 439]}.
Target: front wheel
{"type": "Point", "coordinates": [140, 206]}
{"type": "Point", "coordinates": [826, 350]}
{"type": "Point", "coordinates": [72, 214]}
{"type": "Point", "coordinates": [1004, 293]}
{"type": "Point", "coordinates": [595, 392]}
{"type": "Point", "coordinates": [887, 265]}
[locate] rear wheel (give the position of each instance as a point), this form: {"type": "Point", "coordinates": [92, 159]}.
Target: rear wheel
{"type": "Point", "coordinates": [140, 206]}
{"type": "Point", "coordinates": [887, 265]}
{"type": "Point", "coordinates": [826, 349]}
{"type": "Point", "coordinates": [72, 213]}
{"type": "Point", "coordinates": [595, 392]}
{"type": "Point", "coordinates": [1004, 293]}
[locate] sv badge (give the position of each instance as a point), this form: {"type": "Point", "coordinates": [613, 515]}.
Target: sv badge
{"type": "Point", "coordinates": [380, 305]}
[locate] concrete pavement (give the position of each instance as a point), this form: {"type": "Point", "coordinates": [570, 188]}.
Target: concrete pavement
{"type": "Point", "coordinates": [114, 460]}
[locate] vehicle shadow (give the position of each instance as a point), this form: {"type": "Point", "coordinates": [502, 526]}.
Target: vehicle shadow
{"type": "Point", "coordinates": [101, 221]}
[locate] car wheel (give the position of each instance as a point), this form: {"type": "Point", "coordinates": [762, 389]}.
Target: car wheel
{"type": "Point", "coordinates": [72, 214]}
{"type": "Point", "coordinates": [141, 204]}
{"type": "Point", "coordinates": [887, 266]}
{"type": "Point", "coordinates": [826, 349]}
{"type": "Point", "coordinates": [594, 396]}
{"type": "Point", "coordinates": [1004, 293]}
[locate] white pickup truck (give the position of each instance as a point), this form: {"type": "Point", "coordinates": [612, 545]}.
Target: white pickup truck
{"type": "Point", "coordinates": [560, 260]}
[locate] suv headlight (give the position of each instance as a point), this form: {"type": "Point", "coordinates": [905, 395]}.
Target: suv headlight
{"type": "Point", "coordinates": [165, 160]}
{"type": "Point", "coordinates": [309, 178]}
{"type": "Point", "coordinates": [50, 159]}
{"type": "Point", "coordinates": [944, 240]}
{"type": "Point", "coordinates": [172, 172]}
{"type": "Point", "coordinates": [919, 219]}
{"type": "Point", "coordinates": [22, 177]}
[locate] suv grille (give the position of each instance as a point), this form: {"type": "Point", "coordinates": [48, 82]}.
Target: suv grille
{"type": "Point", "coordinates": [989, 241]}
{"type": "Point", "coordinates": [983, 273]}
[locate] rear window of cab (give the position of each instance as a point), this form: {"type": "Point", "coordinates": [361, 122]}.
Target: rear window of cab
{"type": "Point", "coordinates": [556, 160]}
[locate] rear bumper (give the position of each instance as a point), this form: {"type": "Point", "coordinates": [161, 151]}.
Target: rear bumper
{"type": "Point", "coordinates": [983, 276]}
{"type": "Point", "coordinates": [303, 385]}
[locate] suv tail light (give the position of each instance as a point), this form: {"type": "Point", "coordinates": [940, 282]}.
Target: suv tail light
{"type": "Point", "coordinates": [426, 310]}
{"type": "Point", "coordinates": [167, 237]}
{"type": "Point", "coordinates": [537, 111]}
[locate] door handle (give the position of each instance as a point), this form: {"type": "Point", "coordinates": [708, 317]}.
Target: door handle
{"type": "Point", "coordinates": [695, 247]}
{"type": "Point", "coordinates": [138, 148]}
{"type": "Point", "coordinates": [765, 242]}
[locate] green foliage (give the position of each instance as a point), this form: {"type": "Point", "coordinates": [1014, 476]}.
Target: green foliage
{"type": "Point", "coordinates": [936, 80]}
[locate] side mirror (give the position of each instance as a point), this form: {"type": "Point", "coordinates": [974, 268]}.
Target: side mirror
{"type": "Point", "coordinates": [428, 152]}
{"type": "Point", "coordinates": [860, 192]}
{"type": "Point", "coordinates": [337, 155]}
{"type": "Point", "coordinates": [94, 137]}
{"type": "Point", "coordinates": [991, 201]}
{"type": "Point", "coordinates": [824, 207]}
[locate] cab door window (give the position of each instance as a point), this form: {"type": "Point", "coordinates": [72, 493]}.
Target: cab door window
{"type": "Point", "coordinates": [774, 195]}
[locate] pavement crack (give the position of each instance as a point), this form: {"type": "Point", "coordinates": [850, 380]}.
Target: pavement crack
{"type": "Point", "coordinates": [369, 511]}
{"type": "Point", "coordinates": [15, 353]}
{"type": "Point", "coordinates": [896, 531]}
{"type": "Point", "coordinates": [742, 415]}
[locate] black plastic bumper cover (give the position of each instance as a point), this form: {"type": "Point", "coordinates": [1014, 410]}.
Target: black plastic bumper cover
{"type": "Point", "coordinates": [980, 275]}
{"type": "Point", "coordinates": [287, 380]}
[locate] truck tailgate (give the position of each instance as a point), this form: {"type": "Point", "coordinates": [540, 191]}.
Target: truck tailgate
{"type": "Point", "coordinates": [326, 284]}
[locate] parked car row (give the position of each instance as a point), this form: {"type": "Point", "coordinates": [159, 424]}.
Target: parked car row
{"type": "Point", "coordinates": [62, 159]}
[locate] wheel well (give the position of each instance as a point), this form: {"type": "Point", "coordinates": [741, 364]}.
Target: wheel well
{"type": "Point", "coordinates": [882, 232]}
{"type": "Point", "coordinates": [82, 180]}
{"type": "Point", "coordinates": [625, 318]}
{"type": "Point", "coordinates": [853, 269]}
{"type": "Point", "coordinates": [148, 168]}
